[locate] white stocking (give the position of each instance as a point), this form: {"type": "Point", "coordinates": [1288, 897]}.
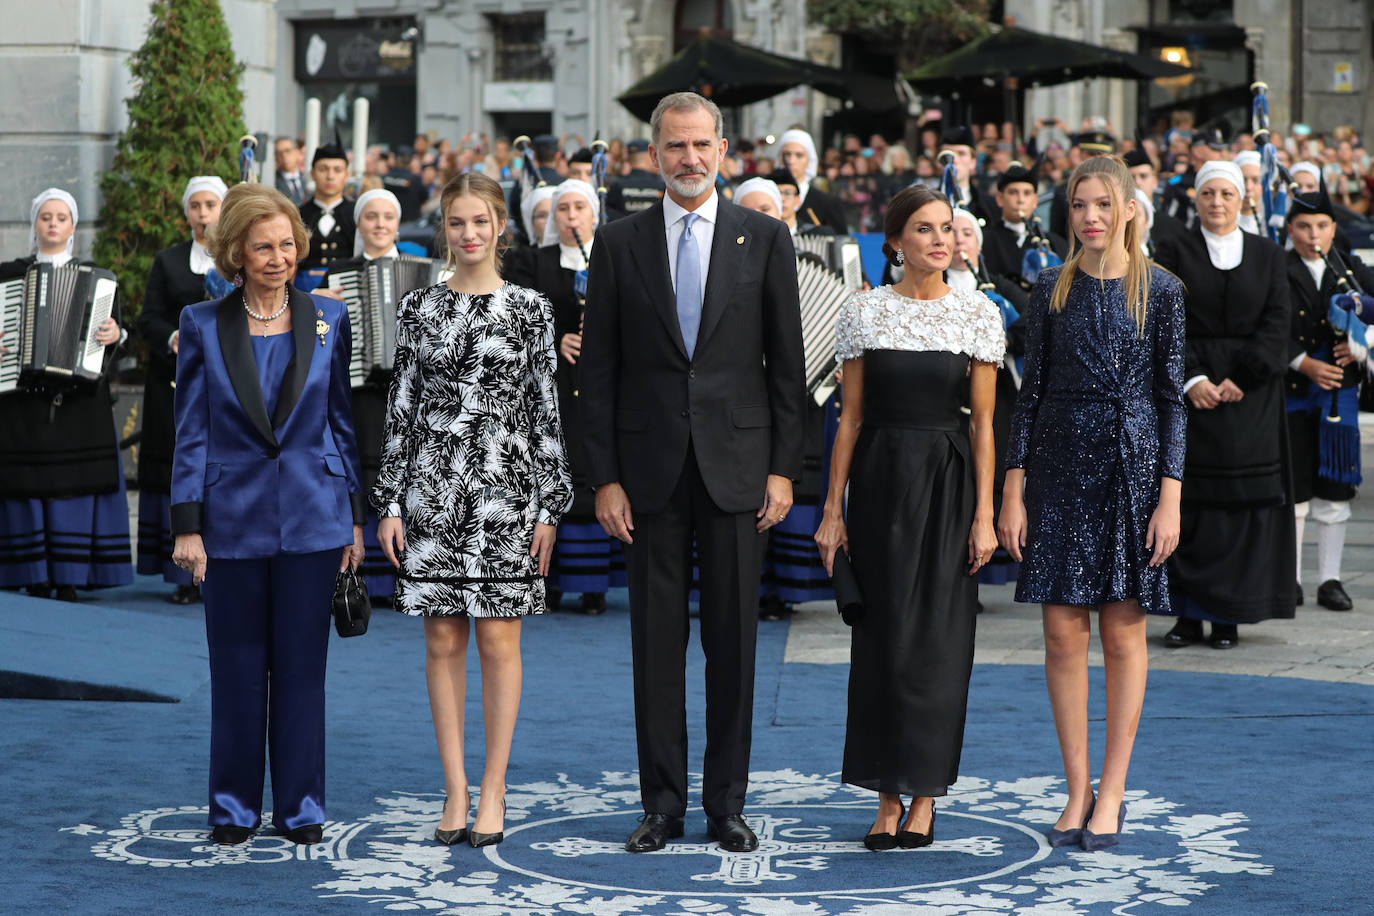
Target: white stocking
{"type": "Point", "coordinates": [1330, 544]}
{"type": "Point", "coordinates": [1300, 522]}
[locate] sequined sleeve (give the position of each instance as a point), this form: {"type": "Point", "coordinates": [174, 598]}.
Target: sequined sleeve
{"type": "Point", "coordinates": [1033, 376]}
{"type": "Point", "coordinates": [988, 341]}
{"type": "Point", "coordinates": [1166, 297]}
{"type": "Point", "coordinates": [849, 342]}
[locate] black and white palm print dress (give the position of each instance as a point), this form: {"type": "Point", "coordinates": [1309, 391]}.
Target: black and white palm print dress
{"type": "Point", "coordinates": [473, 452]}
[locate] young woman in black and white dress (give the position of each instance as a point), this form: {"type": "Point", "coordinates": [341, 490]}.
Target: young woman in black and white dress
{"type": "Point", "coordinates": [472, 483]}
{"type": "Point", "coordinates": [64, 515]}
{"type": "Point", "coordinates": [176, 280]}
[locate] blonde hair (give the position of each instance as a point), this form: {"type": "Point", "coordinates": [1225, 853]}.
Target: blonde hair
{"type": "Point", "coordinates": [245, 206]}
{"type": "Point", "coordinates": [488, 190]}
{"type": "Point", "coordinates": [1112, 172]}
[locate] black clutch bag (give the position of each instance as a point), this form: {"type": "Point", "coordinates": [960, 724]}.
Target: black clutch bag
{"type": "Point", "coordinates": [848, 600]}
{"type": "Point", "coordinates": [352, 607]}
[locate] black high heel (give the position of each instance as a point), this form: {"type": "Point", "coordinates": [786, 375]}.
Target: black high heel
{"type": "Point", "coordinates": [1074, 835]}
{"type": "Point", "coordinates": [882, 842]}
{"type": "Point", "coordinates": [477, 840]}
{"type": "Point", "coordinates": [910, 839]}
{"type": "Point", "coordinates": [452, 837]}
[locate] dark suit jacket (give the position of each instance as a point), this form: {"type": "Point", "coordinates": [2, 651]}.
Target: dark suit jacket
{"type": "Point", "coordinates": [337, 244]}
{"type": "Point", "coordinates": [254, 486]}
{"type": "Point", "coordinates": [171, 287]}
{"type": "Point", "coordinates": [739, 403]}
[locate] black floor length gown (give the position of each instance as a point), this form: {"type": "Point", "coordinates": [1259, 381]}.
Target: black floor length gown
{"type": "Point", "coordinates": [911, 504]}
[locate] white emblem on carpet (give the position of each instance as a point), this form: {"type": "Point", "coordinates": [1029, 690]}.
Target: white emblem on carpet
{"type": "Point", "coordinates": [564, 853]}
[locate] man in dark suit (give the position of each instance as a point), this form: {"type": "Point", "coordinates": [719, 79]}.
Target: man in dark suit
{"type": "Point", "coordinates": [693, 404]}
{"type": "Point", "coordinates": [290, 158]}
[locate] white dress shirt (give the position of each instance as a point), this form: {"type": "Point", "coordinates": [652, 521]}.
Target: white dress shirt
{"type": "Point", "coordinates": [703, 230]}
{"type": "Point", "coordinates": [1225, 251]}
{"type": "Point", "coordinates": [1018, 229]}
{"type": "Point", "coordinates": [201, 262]}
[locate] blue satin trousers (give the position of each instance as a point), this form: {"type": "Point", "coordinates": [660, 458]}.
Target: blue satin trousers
{"type": "Point", "coordinates": [267, 624]}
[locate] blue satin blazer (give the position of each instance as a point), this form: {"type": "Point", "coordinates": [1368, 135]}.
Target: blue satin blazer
{"type": "Point", "coordinates": [250, 485]}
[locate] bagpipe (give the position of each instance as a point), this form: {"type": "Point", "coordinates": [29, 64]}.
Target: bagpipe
{"type": "Point", "coordinates": [530, 178]}
{"type": "Point", "coordinates": [1275, 182]}
{"type": "Point", "coordinates": [1338, 443]}
{"type": "Point", "coordinates": [1009, 312]}
{"type": "Point", "coordinates": [1040, 256]}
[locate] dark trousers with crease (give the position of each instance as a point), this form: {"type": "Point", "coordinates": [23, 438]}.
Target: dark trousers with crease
{"type": "Point", "coordinates": [659, 565]}
{"type": "Point", "coordinates": [267, 624]}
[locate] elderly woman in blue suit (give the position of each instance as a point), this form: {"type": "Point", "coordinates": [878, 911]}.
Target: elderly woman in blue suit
{"type": "Point", "coordinates": [266, 509]}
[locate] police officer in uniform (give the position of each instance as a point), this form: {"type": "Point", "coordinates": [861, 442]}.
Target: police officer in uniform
{"type": "Point", "coordinates": [641, 188]}
{"type": "Point", "coordinates": [327, 215]}
{"type": "Point", "coordinates": [1164, 227]}
{"type": "Point", "coordinates": [1208, 144]}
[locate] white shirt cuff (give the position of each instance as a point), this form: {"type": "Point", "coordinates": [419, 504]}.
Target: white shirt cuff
{"type": "Point", "coordinates": [172, 339]}
{"type": "Point", "coordinates": [1296, 362]}
{"type": "Point", "coordinates": [1193, 381]}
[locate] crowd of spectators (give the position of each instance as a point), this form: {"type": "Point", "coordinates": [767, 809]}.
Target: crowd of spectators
{"type": "Point", "coordinates": [865, 174]}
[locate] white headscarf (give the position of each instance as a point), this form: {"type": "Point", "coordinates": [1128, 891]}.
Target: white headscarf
{"type": "Point", "coordinates": [1219, 168]}
{"type": "Point", "coordinates": [527, 207]}
{"type": "Point", "coordinates": [1247, 157]}
{"type": "Point", "coordinates": [961, 213]}
{"type": "Point", "coordinates": [571, 186]}
{"type": "Point", "coordinates": [802, 137]}
{"type": "Point", "coordinates": [40, 200]}
{"type": "Point", "coordinates": [1143, 201]}
{"type": "Point", "coordinates": [1308, 167]}
{"type": "Point", "coordinates": [211, 183]}
{"type": "Point", "coordinates": [757, 186]}
{"type": "Point", "coordinates": [364, 199]}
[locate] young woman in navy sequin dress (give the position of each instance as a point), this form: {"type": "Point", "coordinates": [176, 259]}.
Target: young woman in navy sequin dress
{"type": "Point", "coordinates": [1097, 443]}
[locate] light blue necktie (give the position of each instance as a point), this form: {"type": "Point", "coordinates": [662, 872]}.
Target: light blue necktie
{"type": "Point", "coordinates": [688, 285]}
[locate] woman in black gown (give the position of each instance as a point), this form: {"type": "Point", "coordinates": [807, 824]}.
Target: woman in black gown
{"type": "Point", "coordinates": [1094, 471]}
{"type": "Point", "coordinates": [176, 280]}
{"type": "Point", "coordinates": [64, 515]}
{"type": "Point", "coordinates": [920, 521]}
{"type": "Point", "coordinates": [1233, 563]}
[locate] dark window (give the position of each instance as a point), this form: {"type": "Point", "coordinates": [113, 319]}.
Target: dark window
{"type": "Point", "coordinates": [519, 55]}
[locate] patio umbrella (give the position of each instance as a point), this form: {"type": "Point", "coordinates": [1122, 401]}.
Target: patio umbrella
{"type": "Point", "coordinates": [732, 74]}
{"type": "Point", "coordinates": [1035, 59]}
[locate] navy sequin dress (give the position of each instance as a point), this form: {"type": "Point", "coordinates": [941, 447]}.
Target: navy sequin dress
{"type": "Point", "coordinates": [1100, 419]}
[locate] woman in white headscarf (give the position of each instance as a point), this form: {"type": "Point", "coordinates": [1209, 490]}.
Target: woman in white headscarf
{"type": "Point", "coordinates": [1234, 563]}
{"type": "Point", "coordinates": [797, 154]}
{"type": "Point", "coordinates": [586, 561]}
{"type": "Point", "coordinates": [377, 216]}
{"type": "Point", "coordinates": [176, 280]}
{"type": "Point", "coordinates": [64, 515]}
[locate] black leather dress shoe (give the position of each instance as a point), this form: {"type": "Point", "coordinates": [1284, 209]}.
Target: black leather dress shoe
{"type": "Point", "coordinates": [552, 599]}
{"type": "Point", "coordinates": [594, 603]}
{"type": "Point", "coordinates": [1224, 636]}
{"type": "Point", "coordinates": [68, 592]}
{"type": "Point", "coordinates": [654, 832]}
{"type": "Point", "coordinates": [732, 833]}
{"type": "Point", "coordinates": [230, 834]}
{"type": "Point", "coordinates": [1332, 596]}
{"type": "Point", "coordinates": [1299, 595]}
{"type": "Point", "coordinates": [1185, 633]}
{"type": "Point", "coordinates": [771, 607]}
{"type": "Point", "coordinates": [306, 834]}
{"type": "Point", "coordinates": [185, 594]}
{"type": "Point", "coordinates": [40, 590]}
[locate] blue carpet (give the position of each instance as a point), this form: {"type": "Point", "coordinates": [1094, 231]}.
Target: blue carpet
{"type": "Point", "coordinates": [1248, 794]}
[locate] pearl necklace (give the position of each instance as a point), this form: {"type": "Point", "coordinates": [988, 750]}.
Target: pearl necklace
{"type": "Point", "coordinates": [268, 319]}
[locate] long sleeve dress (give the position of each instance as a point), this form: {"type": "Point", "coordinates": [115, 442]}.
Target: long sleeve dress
{"type": "Point", "coordinates": [473, 453]}
{"type": "Point", "coordinates": [1234, 562]}
{"type": "Point", "coordinates": [1099, 421]}
{"type": "Point", "coordinates": [911, 504]}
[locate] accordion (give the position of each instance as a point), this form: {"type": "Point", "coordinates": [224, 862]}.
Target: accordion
{"type": "Point", "coordinates": [52, 313]}
{"type": "Point", "coordinates": [839, 252]}
{"type": "Point", "coordinates": [822, 292]}
{"type": "Point", "coordinates": [371, 293]}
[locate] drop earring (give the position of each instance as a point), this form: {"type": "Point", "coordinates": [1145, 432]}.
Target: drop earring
{"type": "Point", "coordinates": [901, 256]}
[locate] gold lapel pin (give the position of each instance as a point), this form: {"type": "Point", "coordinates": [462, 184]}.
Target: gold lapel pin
{"type": "Point", "coordinates": [740, 240]}
{"type": "Point", "coordinates": [321, 328]}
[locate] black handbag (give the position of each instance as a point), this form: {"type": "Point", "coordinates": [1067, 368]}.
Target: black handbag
{"type": "Point", "coordinates": [352, 607]}
{"type": "Point", "coordinates": [848, 600]}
